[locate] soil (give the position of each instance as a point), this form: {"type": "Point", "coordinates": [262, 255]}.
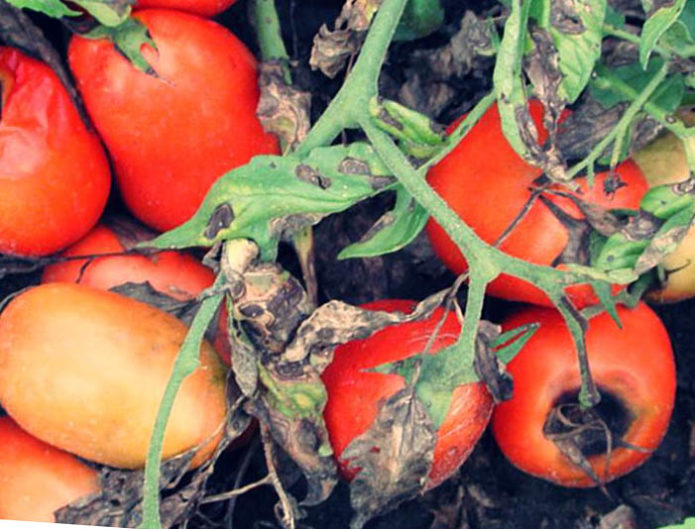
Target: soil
{"type": "Point", "coordinates": [488, 492]}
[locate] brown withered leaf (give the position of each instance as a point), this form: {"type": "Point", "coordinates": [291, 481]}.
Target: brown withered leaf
{"type": "Point", "coordinates": [282, 109]}
{"type": "Point", "coordinates": [333, 48]}
{"type": "Point", "coordinates": [394, 457]}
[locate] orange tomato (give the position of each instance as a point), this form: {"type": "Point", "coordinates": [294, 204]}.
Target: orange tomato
{"type": "Point", "coordinates": [37, 479]}
{"type": "Point", "coordinates": [85, 370]}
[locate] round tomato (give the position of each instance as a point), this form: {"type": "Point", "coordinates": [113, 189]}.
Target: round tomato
{"type": "Point", "coordinates": [85, 370]}
{"type": "Point", "coordinates": [354, 394]}
{"type": "Point", "coordinates": [55, 177]}
{"type": "Point", "coordinates": [663, 162]}
{"type": "Point", "coordinates": [634, 370]}
{"type": "Point", "coordinates": [37, 479]}
{"type": "Point", "coordinates": [176, 132]}
{"type": "Point", "coordinates": [487, 184]}
{"type": "Point", "coordinates": [203, 8]}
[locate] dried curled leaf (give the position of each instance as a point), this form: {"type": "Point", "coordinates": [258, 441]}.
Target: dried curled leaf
{"type": "Point", "coordinates": [394, 457]}
{"type": "Point", "coordinates": [282, 109]}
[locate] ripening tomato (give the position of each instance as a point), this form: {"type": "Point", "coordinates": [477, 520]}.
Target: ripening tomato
{"type": "Point", "coordinates": [487, 184]}
{"type": "Point", "coordinates": [85, 370]}
{"type": "Point", "coordinates": [175, 274]}
{"type": "Point", "coordinates": [354, 394]}
{"type": "Point", "coordinates": [663, 162]}
{"type": "Point", "coordinates": [55, 176]}
{"type": "Point", "coordinates": [171, 135]}
{"type": "Point", "coordinates": [203, 8]}
{"type": "Point", "coordinates": [634, 370]}
{"type": "Point", "coordinates": [37, 479]}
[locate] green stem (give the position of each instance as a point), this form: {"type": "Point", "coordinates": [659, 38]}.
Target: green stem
{"type": "Point", "coordinates": [269, 34]}
{"type": "Point", "coordinates": [187, 361]}
{"type": "Point", "coordinates": [626, 119]}
{"type": "Point", "coordinates": [479, 278]}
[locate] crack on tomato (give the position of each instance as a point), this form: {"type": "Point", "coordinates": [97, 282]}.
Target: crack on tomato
{"type": "Point", "coordinates": [221, 219]}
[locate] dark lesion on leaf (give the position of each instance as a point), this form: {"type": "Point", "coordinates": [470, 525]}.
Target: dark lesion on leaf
{"type": "Point", "coordinates": [308, 174]}
{"type": "Point", "coordinates": [357, 167]}
{"type": "Point", "coordinates": [564, 17]}
{"type": "Point", "coordinates": [221, 219]}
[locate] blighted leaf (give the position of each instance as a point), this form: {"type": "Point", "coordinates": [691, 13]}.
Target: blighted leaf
{"type": "Point", "coordinates": [420, 18]}
{"type": "Point", "coordinates": [282, 109]}
{"type": "Point", "coordinates": [394, 457]}
{"type": "Point", "coordinates": [394, 230]}
{"type": "Point", "coordinates": [128, 37]}
{"type": "Point", "coordinates": [52, 8]}
{"type": "Point", "coordinates": [274, 196]}
{"type": "Point", "coordinates": [333, 48]}
{"type": "Point", "coordinates": [661, 17]}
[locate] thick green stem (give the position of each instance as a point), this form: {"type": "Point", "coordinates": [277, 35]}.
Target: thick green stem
{"type": "Point", "coordinates": [269, 34]}
{"type": "Point", "coordinates": [187, 361]}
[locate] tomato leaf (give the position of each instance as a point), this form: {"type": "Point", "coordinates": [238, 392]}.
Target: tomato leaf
{"type": "Point", "coordinates": [515, 340]}
{"type": "Point", "coordinates": [129, 37]}
{"type": "Point", "coordinates": [420, 18]}
{"type": "Point", "coordinates": [272, 197]}
{"type": "Point", "coordinates": [658, 23]}
{"type": "Point", "coordinates": [605, 295]}
{"type": "Point", "coordinates": [394, 230]}
{"type": "Point", "coordinates": [688, 523]}
{"type": "Point", "coordinates": [52, 8]}
{"type": "Point", "coordinates": [107, 12]}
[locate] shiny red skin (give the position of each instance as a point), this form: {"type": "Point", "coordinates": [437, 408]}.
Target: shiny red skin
{"type": "Point", "coordinates": [36, 479]}
{"type": "Point", "coordinates": [173, 135]}
{"type": "Point", "coordinates": [203, 8]}
{"type": "Point", "coordinates": [54, 175]}
{"type": "Point", "coordinates": [487, 184]}
{"type": "Point", "coordinates": [354, 395]}
{"type": "Point", "coordinates": [634, 364]}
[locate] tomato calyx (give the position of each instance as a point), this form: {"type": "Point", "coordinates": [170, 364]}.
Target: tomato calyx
{"type": "Point", "coordinates": [582, 433]}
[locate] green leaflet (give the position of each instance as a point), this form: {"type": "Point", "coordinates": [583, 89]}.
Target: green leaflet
{"type": "Point", "coordinates": [420, 18]}
{"type": "Point", "coordinates": [273, 196]}
{"type": "Point", "coordinates": [656, 25]}
{"type": "Point", "coordinates": [52, 8]}
{"type": "Point", "coordinates": [688, 523]}
{"type": "Point", "coordinates": [106, 12]}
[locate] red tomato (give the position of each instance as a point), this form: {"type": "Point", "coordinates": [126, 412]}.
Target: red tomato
{"type": "Point", "coordinates": [487, 184]}
{"type": "Point", "coordinates": [634, 370]}
{"type": "Point", "coordinates": [37, 479]}
{"type": "Point", "coordinates": [173, 135]}
{"type": "Point", "coordinates": [354, 395]}
{"type": "Point", "coordinates": [55, 177]}
{"type": "Point", "coordinates": [203, 8]}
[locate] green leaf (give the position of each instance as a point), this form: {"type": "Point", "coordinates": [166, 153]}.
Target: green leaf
{"type": "Point", "coordinates": [614, 17]}
{"type": "Point", "coordinates": [688, 523]}
{"type": "Point", "coordinates": [420, 18]}
{"type": "Point", "coordinates": [656, 25]}
{"type": "Point", "coordinates": [578, 45]}
{"type": "Point", "coordinates": [604, 293]}
{"type": "Point", "coordinates": [393, 231]}
{"type": "Point", "coordinates": [273, 196]}
{"type": "Point", "coordinates": [515, 341]}
{"type": "Point", "coordinates": [107, 12]}
{"type": "Point", "coordinates": [128, 37]}
{"type": "Point", "coordinates": [52, 8]}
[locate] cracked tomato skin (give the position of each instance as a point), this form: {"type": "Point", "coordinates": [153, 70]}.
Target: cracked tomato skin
{"type": "Point", "coordinates": [203, 8]}
{"type": "Point", "coordinates": [37, 479]}
{"type": "Point", "coordinates": [54, 175]}
{"type": "Point", "coordinates": [174, 133]}
{"type": "Point", "coordinates": [85, 370]}
{"type": "Point", "coordinates": [354, 394]}
{"type": "Point", "coordinates": [487, 184]}
{"type": "Point", "coordinates": [634, 364]}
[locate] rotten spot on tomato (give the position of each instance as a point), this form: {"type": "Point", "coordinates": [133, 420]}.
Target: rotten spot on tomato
{"type": "Point", "coordinates": [221, 219]}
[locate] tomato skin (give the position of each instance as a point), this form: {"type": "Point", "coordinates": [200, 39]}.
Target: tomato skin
{"type": "Point", "coordinates": [175, 134]}
{"type": "Point", "coordinates": [354, 394]}
{"type": "Point", "coordinates": [634, 364]}
{"type": "Point", "coordinates": [203, 8]}
{"type": "Point", "coordinates": [37, 479]}
{"type": "Point", "coordinates": [85, 370]}
{"type": "Point", "coordinates": [487, 184]}
{"type": "Point", "coordinates": [175, 274]}
{"type": "Point", "coordinates": [55, 177]}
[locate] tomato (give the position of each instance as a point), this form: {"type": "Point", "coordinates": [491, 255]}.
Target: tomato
{"type": "Point", "coordinates": [55, 177]}
{"type": "Point", "coordinates": [487, 184]}
{"type": "Point", "coordinates": [37, 479]}
{"type": "Point", "coordinates": [354, 395]}
{"type": "Point", "coordinates": [634, 370]}
{"type": "Point", "coordinates": [85, 370]}
{"type": "Point", "coordinates": [663, 162]}
{"type": "Point", "coordinates": [175, 274]}
{"type": "Point", "coordinates": [203, 8]}
{"type": "Point", "coordinates": [175, 133]}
